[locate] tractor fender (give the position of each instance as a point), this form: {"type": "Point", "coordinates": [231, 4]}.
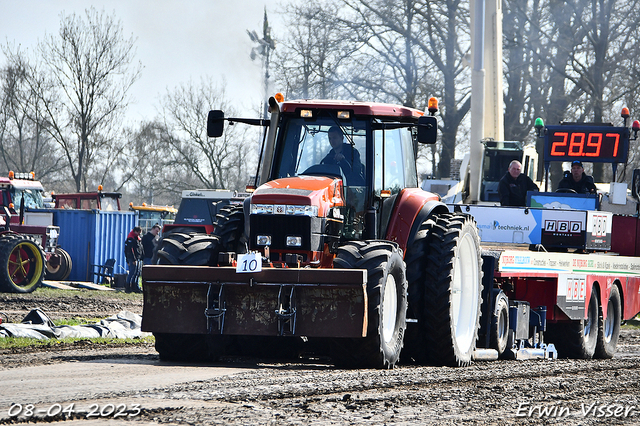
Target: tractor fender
{"type": "Point", "coordinates": [412, 207]}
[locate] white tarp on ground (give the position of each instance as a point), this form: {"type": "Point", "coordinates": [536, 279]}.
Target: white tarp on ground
{"type": "Point", "coordinates": [37, 325]}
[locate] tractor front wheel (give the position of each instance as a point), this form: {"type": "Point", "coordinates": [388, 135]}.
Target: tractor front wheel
{"type": "Point", "coordinates": [387, 294]}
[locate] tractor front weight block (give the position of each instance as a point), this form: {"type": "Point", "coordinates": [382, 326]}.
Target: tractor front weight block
{"type": "Point", "coordinates": [273, 302]}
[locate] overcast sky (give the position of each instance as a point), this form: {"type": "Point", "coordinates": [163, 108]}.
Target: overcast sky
{"type": "Point", "coordinates": [176, 41]}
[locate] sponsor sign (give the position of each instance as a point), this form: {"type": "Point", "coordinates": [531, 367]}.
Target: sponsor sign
{"type": "Point", "coordinates": [505, 224]}
{"type": "Point", "coordinates": [572, 293]}
{"type": "Point", "coordinates": [599, 230]}
{"type": "Point", "coordinates": [563, 228]}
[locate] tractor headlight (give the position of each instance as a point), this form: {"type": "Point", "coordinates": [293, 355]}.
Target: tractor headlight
{"type": "Point", "coordinates": [294, 241]}
{"type": "Point", "coordinates": [263, 240]}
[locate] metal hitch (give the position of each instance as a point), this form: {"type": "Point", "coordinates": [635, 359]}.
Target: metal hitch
{"type": "Point", "coordinates": [216, 308]}
{"type": "Point", "coordinates": [286, 311]}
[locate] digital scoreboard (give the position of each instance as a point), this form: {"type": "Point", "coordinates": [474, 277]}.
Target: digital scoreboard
{"type": "Point", "coordinates": [593, 144]}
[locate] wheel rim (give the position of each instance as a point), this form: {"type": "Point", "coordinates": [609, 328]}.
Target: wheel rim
{"type": "Point", "coordinates": [389, 308]}
{"type": "Point", "coordinates": [609, 323]}
{"type": "Point", "coordinates": [25, 265]}
{"type": "Point", "coordinates": [464, 293]}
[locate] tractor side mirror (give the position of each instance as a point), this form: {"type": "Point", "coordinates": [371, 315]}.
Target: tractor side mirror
{"type": "Point", "coordinates": [215, 123]}
{"type": "Point", "coordinates": [427, 129]}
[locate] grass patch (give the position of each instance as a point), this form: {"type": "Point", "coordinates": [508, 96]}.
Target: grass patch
{"type": "Point", "coordinates": [86, 293]}
{"type": "Point", "coordinates": [9, 343]}
{"type": "Point", "coordinates": [633, 323]}
{"type": "Point", "coordinates": [76, 321]}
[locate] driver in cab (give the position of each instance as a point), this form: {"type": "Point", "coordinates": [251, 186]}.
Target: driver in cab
{"type": "Point", "coordinates": [578, 180]}
{"type": "Point", "coordinates": [345, 156]}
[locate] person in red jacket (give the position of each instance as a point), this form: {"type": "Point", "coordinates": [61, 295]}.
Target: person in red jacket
{"type": "Point", "coordinates": [133, 253]}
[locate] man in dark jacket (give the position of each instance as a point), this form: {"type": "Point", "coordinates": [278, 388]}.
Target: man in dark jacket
{"type": "Point", "coordinates": [578, 180]}
{"type": "Point", "coordinates": [148, 243]}
{"type": "Point", "coordinates": [345, 156]}
{"type": "Point", "coordinates": [513, 186]}
{"type": "Point", "coordinates": [133, 253]}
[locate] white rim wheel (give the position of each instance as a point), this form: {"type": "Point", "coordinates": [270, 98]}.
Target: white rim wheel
{"type": "Point", "coordinates": [464, 293]}
{"type": "Point", "coordinates": [389, 309]}
{"type": "Point", "coordinates": [610, 322]}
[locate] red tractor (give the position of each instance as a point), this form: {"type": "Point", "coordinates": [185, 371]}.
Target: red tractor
{"type": "Point", "coordinates": [337, 250]}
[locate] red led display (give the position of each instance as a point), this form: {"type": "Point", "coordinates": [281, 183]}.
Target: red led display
{"type": "Point", "coordinates": [587, 143]}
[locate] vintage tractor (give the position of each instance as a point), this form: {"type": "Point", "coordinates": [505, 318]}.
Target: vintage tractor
{"type": "Point", "coordinates": [338, 251]}
{"type": "Point", "coordinates": [29, 241]}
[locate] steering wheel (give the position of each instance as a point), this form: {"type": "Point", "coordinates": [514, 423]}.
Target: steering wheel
{"type": "Point", "coordinates": [566, 190]}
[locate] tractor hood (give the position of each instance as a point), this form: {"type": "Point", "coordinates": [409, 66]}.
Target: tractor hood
{"type": "Point", "coordinates": [320, 191]}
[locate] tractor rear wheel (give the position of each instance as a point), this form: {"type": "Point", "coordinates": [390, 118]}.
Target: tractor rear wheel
{"type": "Point", "coordinates": [188, 249]}
{"type": "Point", "coordinates": [387, 294]}
{"type": "Point", "coordinates": [229, 228]}
{"type": "Point", "coordinates": [453, 290]}
{"type": "Point", "coordinates": [577, 339]}
{"type": "Point", "coordinates": [609, 328]}
{"type": "Point", "coordinates": [21, 264]}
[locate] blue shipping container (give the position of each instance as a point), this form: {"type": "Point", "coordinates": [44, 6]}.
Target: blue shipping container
{"type": "Point", "coordinates": [93, 236]}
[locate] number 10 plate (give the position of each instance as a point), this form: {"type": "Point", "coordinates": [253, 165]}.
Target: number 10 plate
{"type": "Point", "coordinates": [249, 262]}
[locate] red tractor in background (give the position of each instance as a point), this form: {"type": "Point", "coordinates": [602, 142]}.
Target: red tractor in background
{"type": "Point", "coordinates": [23, 261]}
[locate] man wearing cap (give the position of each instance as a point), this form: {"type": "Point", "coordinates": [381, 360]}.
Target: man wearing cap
{"type": "Point", "coordinates": [578, 180]}
{"type": "Point", "coordinates": [514, 185]}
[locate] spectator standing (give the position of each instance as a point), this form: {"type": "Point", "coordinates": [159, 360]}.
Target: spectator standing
{"type": "Point", "coordinates": [133, 253]}
{"type": "Point", "coordinates": [149, 243]}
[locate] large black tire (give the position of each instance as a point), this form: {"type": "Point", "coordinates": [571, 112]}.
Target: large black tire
{"type": "Point", "coordinates": [453, 290]}
{"type": "Point", "coordinates": [21, 264]}
{"type": "Point", "coordinates": [609, 328]}
{"type": "Point", "coordinates": [69, 264]}
{"type": "Point", "coordinates": [576, 339]}
{"type": "Point", "coordinates": [188, 249]}
{"type": "Point", "coordinates": [62, 270]}
{"type": "Point", "coordinates": [179, 234]}
{"type": "Point", "coordinates": [229, 228]}
{"type": "Point", "coordinates": [387, 294]}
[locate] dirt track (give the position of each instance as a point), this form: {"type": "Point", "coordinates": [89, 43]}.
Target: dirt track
{"type": "Point", "coordinates": [567, 392]}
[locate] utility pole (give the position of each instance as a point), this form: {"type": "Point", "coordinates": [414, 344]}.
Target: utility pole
{"type": "Point", "coordinates": [263, 48]}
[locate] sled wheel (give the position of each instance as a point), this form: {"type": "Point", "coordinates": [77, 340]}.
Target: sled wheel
{"type": "Point", "coordinates": [500, 327]}
{"type": "Point", "coordinates": [577, 339]}
{"type": "Point", "coordinates": [229, 228]}
{"type": "Point", "coordinates": [387, 294]}
{"type": "Point", "coordinates": [609, 328]}
{"type": "Point", "coordinates": [188, 249]}
{"type": "Point", "coordinates": [453, 289]}
{"type": "Point", "coordinates": [21, 264]}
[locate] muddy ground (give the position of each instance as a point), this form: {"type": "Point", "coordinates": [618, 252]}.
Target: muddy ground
{"type": "Point", "coordinates": [567, 392]}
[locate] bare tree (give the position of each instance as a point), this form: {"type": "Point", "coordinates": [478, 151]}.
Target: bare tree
{"type": "Point", "coordinates": [81, 78]}
{"type": "Point", "coordinates": [224, 162]}
{"type": "Point", "coordinates": [24, 146]}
